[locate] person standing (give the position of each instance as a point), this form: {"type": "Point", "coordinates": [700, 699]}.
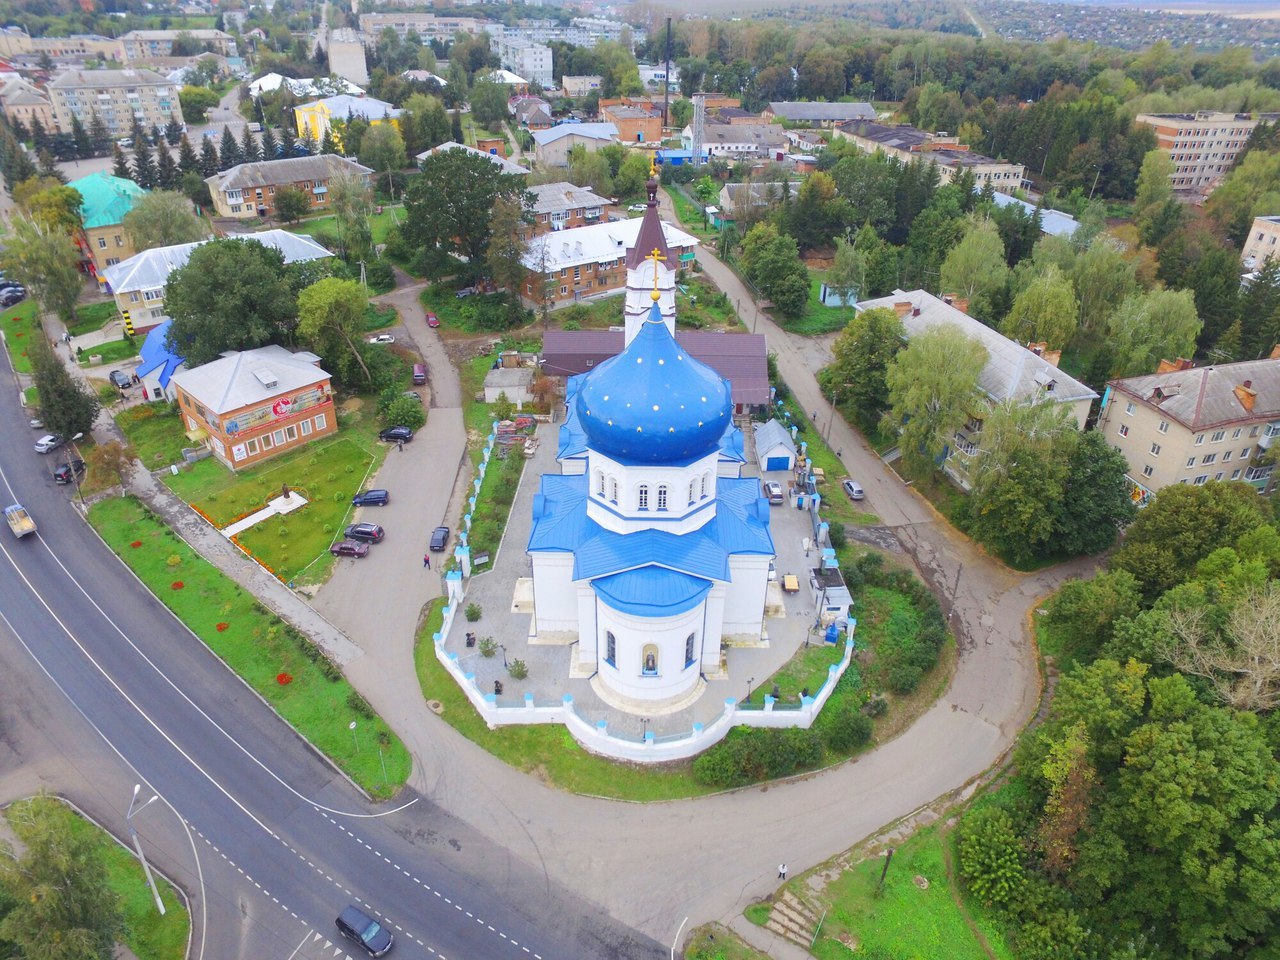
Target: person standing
{"type": "Point", "coordinates": [782, 871]}
{"type": "Point", "coordinates": [426, 560]}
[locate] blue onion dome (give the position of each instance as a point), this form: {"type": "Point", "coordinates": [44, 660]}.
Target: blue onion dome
{"type": "Point", "coordinates": [653, 403]}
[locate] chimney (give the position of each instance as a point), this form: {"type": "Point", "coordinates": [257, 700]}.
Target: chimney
{"type": "Point", "coordinates": [961, 304]}
{"type": "Point", "coordinates": [1172, 366]}
{"type": "Point", "coordinates": [915, 311]}
{"type": "Point", "coordinates": [902, 308]}
{"type": "Point", "coordinates": [1246, 395]}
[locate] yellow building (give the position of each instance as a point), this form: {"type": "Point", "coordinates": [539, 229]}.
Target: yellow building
{"type": "Point", "coordinates": [321, 116]}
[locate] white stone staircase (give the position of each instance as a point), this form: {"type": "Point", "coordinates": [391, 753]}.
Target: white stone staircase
{"type": "Point", "coordinates": [793, 919]}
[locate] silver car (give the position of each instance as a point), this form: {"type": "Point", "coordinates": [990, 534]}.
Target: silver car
{"type": "Point", "coordinates": [49, 442]}
{"type": "Point", "coordinates": [853, 489]}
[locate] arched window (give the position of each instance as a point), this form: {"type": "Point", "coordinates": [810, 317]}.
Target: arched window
{"type": "Point", "coordinates": [693, 490]}
{"type": "Point", "coordinates": [610, 648]}
{"type": "Point", "coordinates": [613, 489]}
{"type": "Point", "coordinates": [662, 496]}
{"type": "Point", "coordinates": [600, 484]}
{"type": "Point", "coordinates": [704, 486]}
{"type": "Point", "coordinates": [649, 661]}
{"type": "Point", "coordinates": [688, 650]}
{"type": "Point", "coordinates": [642, 497]}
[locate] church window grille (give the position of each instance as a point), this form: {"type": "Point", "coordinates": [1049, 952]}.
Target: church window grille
{"type": "Point", "coordinates": [688, 650]}
{"type": "Point", "coordinates": [705, 476]}
{"type": "Point", "coordinates": [600, 484]}
{"type": "Point", "coordinates": [662, 496]}
{"type": "Point", "coordinates": [693, 488]}
{"type": "Point", "coordinates": [642, 497]}
{"type": "Point", "coordinates": [610, 648]}
{"type": "Point", "coordinates": [613, 489]}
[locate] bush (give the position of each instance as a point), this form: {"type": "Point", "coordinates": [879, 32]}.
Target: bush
{"type": "Point", "coordinates": [360, 705]}
{"type": "Point", "coordinates": [837, 535]}
{"type": "Point", "coordinates": [990, 856]}
{"type": "Point", "coordinates": [405, 411]}
{"type": "Point", "coordinates": [846, 727]}
{"type": "Point", "coordinates": [488, 646]}
{"type": "Point", "coordinates": [379, 275]}
{"type": "Point", "coordinates": [750, 755]}
{"type": "Point", "coordinates": [472, 612]}
{"type": "Point", "coordinates": [518, 669]}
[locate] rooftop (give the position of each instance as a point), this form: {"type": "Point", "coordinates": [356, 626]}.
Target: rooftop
{"type": "Point", "coordinates": [343, 106]}
{"type": "Point", "coordinates": [263, 173]}
{"type": "Point", "coordinates": [595, 243]}
{"type": "Point", "coordinates": [506, 77]}
{"type": "Point", "coordinates": [506, 165]}
{"type": "Point", "coordinates": [106, 198]}
{"type": "Point", "coordinates": [591, 131]}
{"type": "Point", "coordinates": [905, 137]}
{"type": "Point", "coordinates": [802, 110]}
{"type": "Point", "coordinates": [201, 34]}
{"type": "Point", "coordinates": [240, 378]}
{"type": "Point", "coordinates": [150, 269]}
{"type": "Point", "coordinates": [762, 134]}
{"type": "Point", "coordinates": [318, 87]}
{"type": "Point", "coordinates": [156, 355]}
{"type": "Point", "coordinates": [73, 79]}
{"type": "Point", "coordinates": [1203, 397]}
{"type": "Point", "coordinates": [558, 197]}
{"type": "Point", "coordinates": [1012, 372]}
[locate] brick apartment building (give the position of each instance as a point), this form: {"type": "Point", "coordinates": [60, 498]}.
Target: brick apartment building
{"type": "Point", "coordinates": [563, 206]}
{"type": "Point", "coordinates": [1202, 145]}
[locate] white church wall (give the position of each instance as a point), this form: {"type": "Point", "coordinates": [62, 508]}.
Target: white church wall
{"type": "Point", "coordinates": [554, 595]}
{"type": "Point", "coordinates": [713, 629]}
{"type": "Point", "coordinates": [574, 466]}
{"type": "Point", "coordinates": [744, 600]}
{"type": "Point", "coordinates": [588, 631]}
{"type": "Point", "coordinates": [635, 638]}
{"type": "Point", "coordinates": [625, 515]}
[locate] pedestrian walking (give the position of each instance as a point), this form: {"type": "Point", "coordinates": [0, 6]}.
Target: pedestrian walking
{"type": "Point", "coordinates": [782, 871]}
{"type": "Point", "coordinates": [426, 560]}
{"type": "Point", "coordinates": [400, 445]}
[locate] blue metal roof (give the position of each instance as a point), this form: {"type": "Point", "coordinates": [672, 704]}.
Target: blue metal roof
{"type": "Point", "coordinates": [156, 355]}
{"type": "Point", "coordinates": [651, 591]}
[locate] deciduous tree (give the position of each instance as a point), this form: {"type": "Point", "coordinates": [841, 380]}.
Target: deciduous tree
{"type": "Point", "coordinates": [861, 356]}
{"type": "Point", "coordinates": [67, 406]}
{"type": "Point", "coordinates": [331, 319]}
{"type": "Point", "coordinates": [1045, 312]}
{"type": "Point", "coordinates": [161, 219]}
{"type": "Point", "coordinates": [975, 267]}
{"type": "Point", "coordinates": [507, 247]}
{"type": "Point", "coordinates": [114, 458]}
{"type": "Point", "coordinates": [1149, 327]}
{"type": "Point", "coordinates": [44, 260]}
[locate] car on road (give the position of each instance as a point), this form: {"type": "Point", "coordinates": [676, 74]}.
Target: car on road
{"type": "Point", "coordinates": [852, 488]}
{"type": "Point", "coordinates": [432, 319]}
{"type": "Point", "coordinates": [396, 435]}
{"type": "Point", "coordinates": [383, 338]}
{"type": "Point", "coordinates": [49, 442]}
{"type": "Point", "coordinates": [364, 532]}
{"type": "Point", "coordinates": [773, 491]}
{"type": "Point", "coordinates": [11, 296]}
{"type": "Point", "coordinates": [439, 537]}
{"type": "Point", "coordinates": [371, 498]}
{"type": "Point", "coordinates": [120, 379]}
{"type": "Point", "coordinates": [350, 548]}
{"type": "Point", "coordinates": [69, 471]}
{"type": "Point", "coordinates": [357, 926]}
{"type": "Point", "coordinates": [125, 142]}
{"type": "Point", "coordinates": [636, 208]}
{"type": "Point", "coordinates": [36, 423]}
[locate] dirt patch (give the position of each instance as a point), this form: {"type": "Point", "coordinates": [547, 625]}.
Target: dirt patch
{"type": "Point", "coordinates": [921, 882]}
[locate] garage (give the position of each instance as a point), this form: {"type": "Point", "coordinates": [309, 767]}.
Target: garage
{"type": "Point", "coordinates": [775, 447]}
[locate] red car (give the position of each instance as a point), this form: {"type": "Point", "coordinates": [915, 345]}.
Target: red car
{"type": "Point", "coordinates": [432, 319]}
{"type": "Point", "coordinates": [349, 548]}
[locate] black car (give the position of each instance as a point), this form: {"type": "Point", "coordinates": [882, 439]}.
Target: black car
{"type": "Point", "coordinates": [120, 379]}
{"type": "Point", "coordinates": [69, 471]}
{"type": "Point", "coordinates": [11, 296]}
{"type": "Point", "coordinates": [10, 285]}
{"type": "Point", "coordinates": [356, 925]}
{"type": "Point", "coordinates": [365, 532]}
{"type": "Point", "coordinates": [371, 498]}
{"type": "Point", "coordinates": [396, 435]}
{"type": "Point", "coordinates": [439, 537]}
{"type": "Point", "coordinates": [349, 548]}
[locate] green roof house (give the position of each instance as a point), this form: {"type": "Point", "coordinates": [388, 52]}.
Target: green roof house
{"type": "Point", "coordinates": [106, 200]}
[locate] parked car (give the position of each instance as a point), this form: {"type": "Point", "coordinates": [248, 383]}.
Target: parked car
{"type": "Point", "coordinates": [11, 296]}
{"type": "Point", "coordinates": [773, 491]}
{"type": "Point", "coordinates": [432, 319]}
{"type": "Point", "coordinates": [125, 142]}
{"type": "Point", "coordinates": [10, 284]}
{"type": "Point", "coordinates": [69, 471]}
{"type": "Point", "coordinates": [465, 292]}
{"type": "Point", "coordinates": [396, 435]}
{"type": "Point", "coordinates": [439, 537]}
{"type": "Point", "coordinates": [349, 548]}
{"type": "Point", "coordinates": [637, 208]}
{"type": "Point", "coordinates": [120, 379]}
{"type": "Point", "coordinates": [383, 338]}
{"type": "Point", "coordinates": [852, 488]}
{"type": "Point", "coordinates": [371, 498]}
{"type": "Point", "coordinates": [357, 926]}
{"type": "Point", "coordinates": [419, 373]}
{"type": "Point", "coordinates": [49, 442]}
{"type": "Point", "coordinates": [412, 395]}
{"type": "Point", "coordinates": [36, 423]}
{"type": "Point", "coordinates": [365, 532]}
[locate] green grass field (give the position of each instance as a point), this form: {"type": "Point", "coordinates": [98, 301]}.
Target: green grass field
{"type": "Point", "coordinates": [148, 934]}
{"type": "Point", "coordinates": [716, 942]}
{"type": "Point", "coordinates": [379, 224]}
{"type": "Point", "coordinates": [690, 214]}
{"type": "Point", "coordinates": [113, 351]}
{"type": "Point", "coordinates": [20, 324]}
{"type": "Point", "coordinates": [256, 644]}
{"type": "Point", "coordinates": [155, 431]}
{"type": "Point", "coordinates": [817, 319]}
{"type": "Point", "coordinates": [93, 316]}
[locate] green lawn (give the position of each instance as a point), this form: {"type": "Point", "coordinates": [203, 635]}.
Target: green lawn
{"type": "Point", "coordinates": [378, 318]}
{"type": "Point", "coordinates": [32, 396]}
{"type": "Point", "coordinates": [328, 473]}
{"type": "Point", "coordinates": [690, 214]}
{"type": "Point", "coordinates": [481, 313]}
{"type": "Point", "coordinates": [817, 319]}
{"type": "Point", "coordinates": [148, 934]}
{"type": "Point", "coordinates": [113, 351]}
{"type": "Point", "coordinates": [808, 669]}
{"type": "Point", "coordinates": [155, 431]}
{"type": "Point", "coordinates": [93, 316]}
{"type": "Point", "coordinates": [904, 920]}
{"type": "Point", "coordinates": [256, 644]}
{"type": "Point", "coordinates": [716, 942]}
{"type": "Point", "coordinates": [379, 224]}
{"type": "Point", "coordinates": [20, 323]}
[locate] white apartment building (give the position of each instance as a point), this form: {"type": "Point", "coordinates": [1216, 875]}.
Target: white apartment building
{"type": "Point", "coordinates": [1263, 243]}
{"type": "Point", "coordinates": [16, 42]}
{"type": "Point", "coordinates": [146, 44]}
{"type": "Point", "coordinates": [1186, 424]}
{"type": "Point", "coordinates": [1203, 145]}
{"type": "Point", "coordinates": [117, 96]}
{"type": "Point", "coordinates": [428, 26]}
{"type": "Point", "coordinates": [530, 60]}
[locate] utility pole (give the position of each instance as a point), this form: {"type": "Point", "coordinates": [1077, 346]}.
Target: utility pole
{"type": "Point", "coordinates": [666, 85]}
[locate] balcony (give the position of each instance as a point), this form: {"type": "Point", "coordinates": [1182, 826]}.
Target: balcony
{"type": "Point", "coordinates": [965, 447]}
{"type": "Point", "coordinates": [1271, 431]}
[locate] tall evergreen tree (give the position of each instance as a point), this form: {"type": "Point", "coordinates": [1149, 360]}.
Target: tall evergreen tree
{"type": "Point", "coordinates": [156, 135]}
{"type": "Point", "coordinates": [455, 127]}
{"type": "Point", "coordinates": [327, 145]}
{"type": "Point", "coordinates": [39, 136]}
{"type": "Point", "coordinates": [187, 159]}
{"type": "Point", "coordinates": [48, 166]}
{"type": "Point", "coordinates": [229, 154]}
{"type": "Point", "coordinates": [144, 166]}
{"type": "Point", "coordinates": [249, 147]}
{"type": "Point", "coordinates": [209, 161]}
{"type": "Point", "coordinates": [167, 175]}
{"type": "Point", "coordinates": [80, 137]}
{"type": "Point", "coordinates": [99, 136]}
{"type": "Point", "coordinates": [288, 139]}
{"type": "Point", "coordinates": [173, 131]}
{"type": "Point", "coordinates": [120, 164]}
{"type": "Point", "coordinates": [308, 143]}
{"type": "Point", "coordinates": [270, 148]}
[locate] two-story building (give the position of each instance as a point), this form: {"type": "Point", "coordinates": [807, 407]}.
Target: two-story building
{"type": "Point", "coordinates": [552, 146]}
{"type": "Point", "coordinates": [585, 262]}
{"type": "Point", "coordinates": [25, 103]}
{"type": "Point", "coordinates": [249, 189]}
{"type": "Point", "coordinates": [906, 143]}
{"type": "Point", "coordinates": [638, 120]}
{"type": "Point", "coordinates": [564, 206]}
{"type": "Point", "coordinates": [323, 116]}
{"type": "Point", "coordinates": [739, 140]}
{"type": "Point", "coordinates": [1185, 424]}
{"type": "Point", "coordinates": [250, 405]}
{"type": "Point", "coordinates": [581, 86]}
{"type": "Point", "coordinates": [104, 202]}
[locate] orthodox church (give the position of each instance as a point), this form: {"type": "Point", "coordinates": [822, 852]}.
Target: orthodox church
{"type": "Point", "coordinates": [649, 549]}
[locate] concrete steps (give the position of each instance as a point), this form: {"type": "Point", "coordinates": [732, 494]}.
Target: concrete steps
{"type": "Point", "coordinates": [793, 919]}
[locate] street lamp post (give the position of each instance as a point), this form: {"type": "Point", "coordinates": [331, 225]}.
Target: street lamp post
{"type": "Point", "coordinates": [749, 683]}
{"type": "Point", "coordinates": [137, 844]}
{"type": "Point", "coordinates": [503, 648]}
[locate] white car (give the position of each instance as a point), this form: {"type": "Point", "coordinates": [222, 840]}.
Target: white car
{"type": "Point", "coordinates": [383, 338]}
{"type": "Point", "coordinates": [637, 208]}
{"type": "Point", "coordinates": [49, 442]}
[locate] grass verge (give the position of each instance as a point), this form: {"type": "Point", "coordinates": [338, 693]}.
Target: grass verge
{"type": "Point", "coordinates": [92, 316]}
{"type": "Point", "coordinates": [316, 700]}
{"type": "Point", "coordinates": [716, 942]}
{"type": "Point", "coordinates": [148, 934]}
{"type": "Point", "coordinates": [155, 432]}
{"type": "Point", "coordinates": [378, 318]}
{"type": "Point", "coordinates": [20, 324]}
{"type": "Point", "coordinates": [817, 319]}
{"type": "Point", "coordinates": [690, 214]}
{"type": "Point", "coordinates": [110, 352]}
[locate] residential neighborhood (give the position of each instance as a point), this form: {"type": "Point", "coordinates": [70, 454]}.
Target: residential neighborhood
{"type": "Point", "coordinates": [442, 439]}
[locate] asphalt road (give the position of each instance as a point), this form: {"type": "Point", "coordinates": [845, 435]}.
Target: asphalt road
{"type": "Point", "coordinates": [278, 842]}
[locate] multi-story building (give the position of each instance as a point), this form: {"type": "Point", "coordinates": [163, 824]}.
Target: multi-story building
{"type": "Point", "coordinates": [563, 206]}
{"type": "Point", "coordinates": [143, 44]}
{"type": "Point", "coordinates": [137, 284]}
{"type": "Point", "coordinates": [345, 48]}
{"type": "Point", "coordinates": [588, 31]}
{"type": "Point", "coordinates": [638, 120]}
{"type": "Point", "coordinates": [581, 86]}
{"type": "Point", "coordinates": [952, 157]}
{"type": "Point", "coordinates": [428, 26]}
{"type": "Point", "coordinates": [1012, 372]}
{"type": "Point", "coordinates": [586, 262]}
{"type": "Point", "coordinates": [525, 57]}
{"type": "Point", "coordinates": [1202, 145]}
{"type": "Point", "coordinates": [24, 103]}
{"type": "Point", "coordinates": [1185, 424]}
{"type": "Point", "coordinates": [105, 201]}
{"type": "Point", "coordinates": [249, 189]}
{"type": "Point", "coordinates": [15, 42]}
{"type": "Point", "coordinates": [250, 405]}
{"type": "Point", "coordinates": [118, 97]}
{"type": "Point", "coordinates": [552, 146]}
{"type": "Point", "coordinates": [655, 76]}
{"type": "Point", "coordinates": [321, 116]}
{"type": "Point", "coordinates": [497, 159]}
{"type": "Point", "coordinates": [1263, 243]}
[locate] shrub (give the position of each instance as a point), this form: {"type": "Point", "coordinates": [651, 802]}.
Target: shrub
{"type": "Point", "coordinates": [990, 856]}
{"type": "Point", "coordinates": [518, 669]}
{"type": "Point", "coordinates": [847, 728]}
{"type": "Point", "coordinates": [379, 275]}
{"type": "Point", "coordinates": [837, 535]}
{"type": "Point", "coordinates": [360, 705]}
{"type": "Point", "coordinates": [488, 646]}
{"type": "Point", "coordinates": [571, 325]}
{"type": "Point", "coordinates": [472, 612]}
{"type": "Point", "coordinates": [406, 412]}
{"type": "Point", "coordinates": [749, 755]}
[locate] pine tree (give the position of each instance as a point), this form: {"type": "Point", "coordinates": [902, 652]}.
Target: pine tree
{"type": "Point", "coordinates": [20, 130]}
{"type": "Point", "coordinates": [456, 127]}
{"type": "Point", "coordinates": [187, 159]}
{"type": "Point", "coordinates": [209, 162]}
{"type": "Point", "coordinates": [137, 132]}
{"type": "Point", "coordinates": [308, 142]}
{"type": "Point", "coordinates": [39, 138]}
{"type": "Point", "coordinates": [327, 145]}
{"type": "Point", "coordinates": [249, 147]}
{"type": "Point", "coordinates": [270, 149]}
{"type": "Point", "coordinates": [228, 151]}
{"type": "Point", "coordinates": [167, 175]}
{"type": "Point", "coordinates": [120, 164]}
{"type": "Point", "coordinates": [145, 174]}
{"type": "Point", "coordinates": [288, 140]}
{"type": "Point", "coordinates": [80, 137]}
{"type": "Point", "coordinates": [99, 136]}
{"type": "Point", "coordinates": [173, 131]}
{"type": "Point", "coordinates": [48, 166]}
{"type": "Point", "coordinates": [156, 135]}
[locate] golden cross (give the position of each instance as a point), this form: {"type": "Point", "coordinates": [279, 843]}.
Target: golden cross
{"type": "Point", "coordinates": [653, 167]}
{"type": "Point", "coordinates": [655, 257]}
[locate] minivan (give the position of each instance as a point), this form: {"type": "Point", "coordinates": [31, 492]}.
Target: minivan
{"type": "Point", "coordinates": [419, 373]}
{"type": "Point", "coordinates": [354, 924]}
